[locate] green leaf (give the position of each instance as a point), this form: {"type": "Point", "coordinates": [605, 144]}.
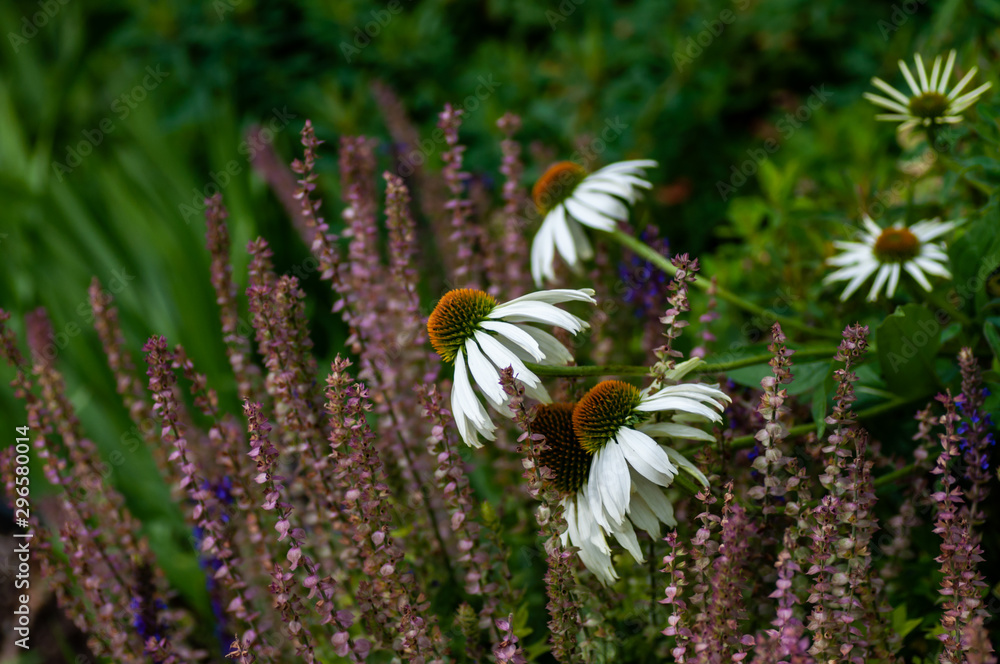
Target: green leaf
{"type": "Point", "coordinates": [900, 624]}
{"type": "Point", "coordinates": [973, 257]}
{"type": "Point", "coordinates": [746, 213]}
{"type": "Point", "coordinates": [907, 341]}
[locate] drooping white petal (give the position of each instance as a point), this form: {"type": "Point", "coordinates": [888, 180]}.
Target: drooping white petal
{"type": "Point", "coordinates": [880, 279]}
{"type": "Point", "coordinates": [674, 430]}
{"type": "Point", "coordinates": [645, 456]}
{"type": "Point", "coordinates": [484, 374]}
{"type": "Point", "coordinates": [543, 252]}
{"type": "Point", "coordinates": [932, 267]}
{"type": "Point", "coordinates": [894, 271]}
{"type": "Point", "coordinates": [553, 352]}
{"type": "Point", "coordinates": [564, 238]}
{"type": "Point", "coordinates": [539, 312]}
{"type": "Point", "coordinates": [517, 335]}
{"type": "Point", "coordinates": [914, 271]}
{"type": "Point", "coordinates": [625, 535]}
{"type": "Point", "coordinates": [609, 471]}
{"type": "Point", "coordinates": [588, 216]}
{"type": "Point", "coordinates": [685, 463]}
{"type": "Point", "coordinates": [503, 357]}
{"type": "Point", "coordinates": [470, 416]}
{"type": "Point", "coordinates": [607, 205]}
{"type": "Point", "coordinates": [655, 499]}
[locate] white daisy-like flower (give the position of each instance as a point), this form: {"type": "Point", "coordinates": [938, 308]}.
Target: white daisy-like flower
{"type": "Point", "coordinates": [611, 471]}
{"type": "Point", "coordinates": [481, 337]}
{"type": "Point", "coordinates": [571, 199]}
{"type": "Point", "coordinates": [886, 253]}
{"type": "Point", "coordinates": [930, 103]}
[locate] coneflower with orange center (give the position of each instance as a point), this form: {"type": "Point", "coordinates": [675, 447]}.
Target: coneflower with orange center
{"type": "Point", "coordinates": [887, 253]}
{"type": "Point", "coordinates": [611, 471]}
{"type": "Point", "coordinates": [482, 337]}
{"type": "Point", "coordinates": [571, 199]}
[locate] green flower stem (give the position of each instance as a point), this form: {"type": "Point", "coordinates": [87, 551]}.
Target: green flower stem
{"type": "Point", "coordinates": [710, 368]}
{"type": "Point", "coordinates": [653, 256]}
{"type": "Point", "coordinates": [891, 477]}
{"type": "Point", "coordinates": [744, 442]}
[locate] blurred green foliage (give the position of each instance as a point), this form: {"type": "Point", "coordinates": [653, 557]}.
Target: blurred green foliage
{"type": "Point", "coordinates": [114, 115]}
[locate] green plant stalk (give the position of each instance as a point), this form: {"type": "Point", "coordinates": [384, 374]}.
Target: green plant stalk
{"type": "Point", "coordinates": [653, 256]}
{"type": "Point", "coordinates": [710, 368]}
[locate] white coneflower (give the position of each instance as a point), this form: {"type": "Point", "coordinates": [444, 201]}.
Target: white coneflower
{"type": "Point", "coordinates": [568, 197]}
{"type": "Point", "coordinates": [930, 103]}
{"type": "Point", "coordinates": [481, 336]}
{"type": "Point", "coordinates": [886, 253]}
{"type": "Point", "coordinates": [611, 472]}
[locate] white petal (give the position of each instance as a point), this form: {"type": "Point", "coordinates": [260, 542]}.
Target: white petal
{"type": "Point", "coordinates": [886, 103]}
{"type": "Point", "coordinates": [655, 499]}
{"type": "Point", "coordinates": [613, 481]}
{"type": "Point", "coordinates": [894, 271]}
{"type": "Point", "coordinates": [607, 205]}
{"type": "Point", "coordinates": [632, 165]}
{"type": "Point", "coordinates": [961, 84]}
{"type": "Point", "coordinates": [484, 374]}
{"type": "Point", "coordinates": [625, 535]}
{"type": "Point", "coordinates": [935, 72]}
{"type": "Point", "coordinates": [564, 238]}
{"type": "Point", "coordinates": [517, 335]}
{"type": "Point", "coordinates": [914, 271]}
{"type": "Point", "coordinates": [880, 279]}
{"type": "Point", "coordinates": [684, 462]}
{"type": "Point", "coordinates": [503, 357]}
{"type": "Point", "coordinates": [909, 78]}
{"type": "Point", "coordinates": [601, 186]}
{"type": "Point", "coordinates": [645, 456]}
{"type": "Point", "coordinates": [673, 430]}
{"type": "Point", "coordinates": [552, 296]}
{"type": "Point", "coordinates": [539, 312]}
{"type": "Point", "coordinates": [553, 352]}
{"type": "Point", "coordinates": [642, 516]}
{"type": "Point", "coordinates": [943, 83]}
{"type": "Point", "coordinates": [921, 73]}
{"type": "Point", "coordinates": [932, 267]}
{"type": "Point", "coordinates": [470, 416]}
{"type": "Point", "coordinates": [589, 217]}
{"type": "Point", "coordinates": [891, 91]}
{"type": "Point", "coordinates": [538, 393]}
{"type": "Point", "coordinates": [543, 252]}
